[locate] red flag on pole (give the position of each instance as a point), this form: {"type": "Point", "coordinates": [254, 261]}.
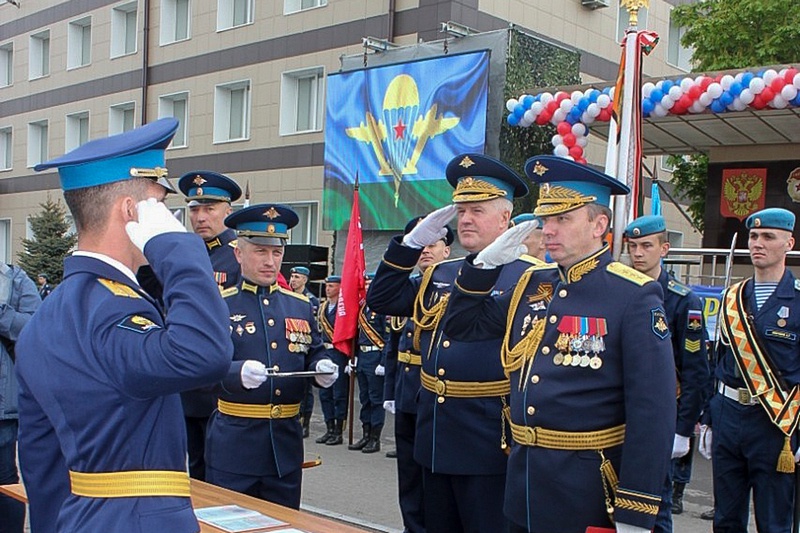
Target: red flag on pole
{"type": "Point", "coordinates": [353, 288]}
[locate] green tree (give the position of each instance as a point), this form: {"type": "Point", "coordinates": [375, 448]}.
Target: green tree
{"type": "Point", "coordinates": [51, 242]}
{"type": "Point", "coordinates": [730, 34]}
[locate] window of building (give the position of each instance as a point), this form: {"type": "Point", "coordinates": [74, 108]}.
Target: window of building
{"type": "Point", "coordinates": [677, 54]}
{"type": "Point", "coordinates": [37, 142]}
{"type": "Point", "coordinates": [6, 149]}
{"type": "Point", "coordinates": [665, 164]}
{"type": "Point", "coordinates": [39, 60]}
{"type": "Point", "coordinates": [6, 64]}
{"type": "Point", "coordinates": [123, 29]}
{"type": "Point", "coordinates": [79, 43]}
{"type": "Point", "coordinates": [302, 101]}
{"type": "Point", "coordinates": [293, 6]}
{"type": "Point", "coordinates": [5, 240]}
{"type": "Point", "coordinates": [232, 13]}
{"type": "Point", "coordinates": [305, 232]}
{"type": "Point", "coordinates": [232, 111]}
{"type": "Point", "coordinates": [77, 130]}
{"type": "Point", "coordinates": [174, 21]}
{"type": "Point", "coordinates": [622, 21]}
{"type": "Point", "coordinates": [176, 105]}
{"type": "Point", "coordinates": [121, 118]}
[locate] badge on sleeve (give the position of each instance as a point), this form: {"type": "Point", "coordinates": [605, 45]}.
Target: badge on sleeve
{"type": "Point", "coordinates": [659, 323]}
{"type": "Point", "coordinates": [138, 323]}
{"type": "Point", "coordinates": [694, 320]}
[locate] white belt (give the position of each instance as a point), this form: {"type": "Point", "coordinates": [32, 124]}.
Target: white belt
{"type": "Point", "coordinates": [327, 345]}
{"type": "Point", "coordinates": [739, 395]}
{"type": "Point", "coordinates": [368, 348]}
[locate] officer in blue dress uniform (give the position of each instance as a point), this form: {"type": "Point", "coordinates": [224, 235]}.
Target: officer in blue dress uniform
{"type": "Point", "coordinates": [102, 442]}
{"type": "Point", "coordinates": [459, 418]}
{"type": "Point", "coordinates": [754, 445]}
{"type": "Point", "coordinates": [208, 196]}
{"type": "Point", "coordinates": [333, 400]}
{"type": "Point", "coordinates": [647, 246]}
{"type": "Point", "coordinates": [255, 440]}
{"type": "Point", "coordinates": [403, 362]}
{"type": "Point", "coordinates": [586, 343]}
{"type": "Point", "coordinates": [298, 278]}
{"type": "Point", "coordinates": [373, 332]}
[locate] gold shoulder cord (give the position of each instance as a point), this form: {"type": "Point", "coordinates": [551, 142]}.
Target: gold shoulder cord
{"type": "Point", "coordinates": [427, 318]}
{"type": "Point", "coordinates": [513, 358]}
{"type": "Point", "coordinates": [397, 323]}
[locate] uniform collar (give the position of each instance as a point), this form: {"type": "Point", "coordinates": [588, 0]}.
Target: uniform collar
{"type": "Point", "coordinates": [574, 273]}
{"type": "Point", "coordinates": [223, 238]}
{"type": "Point", "coordinates": [255, 289]}
{"type": "Point", "coordinates": [109, 261]}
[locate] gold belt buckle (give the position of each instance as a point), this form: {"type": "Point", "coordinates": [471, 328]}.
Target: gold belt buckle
{"type": "Point", "coordinates": [533, 436]}
{"type": "Point", "coordinates": [441, 387]}
{"type": "Point", "coordinates": [744, 397]}
{"type": "Point", "coordinates": [275, 412]}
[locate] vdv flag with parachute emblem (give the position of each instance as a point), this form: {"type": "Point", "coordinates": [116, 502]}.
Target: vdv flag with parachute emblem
{"type": "Point", "coordinates": [398, 126]}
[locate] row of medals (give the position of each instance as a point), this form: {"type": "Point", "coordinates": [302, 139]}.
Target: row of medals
{"type": "Point", "coordinates": [575, 350]}
{"type": "Point", "coordinates": [299, 342]}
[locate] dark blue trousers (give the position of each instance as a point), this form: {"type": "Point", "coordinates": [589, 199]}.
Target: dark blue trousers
{"type": "Point", "coordinates": [281, 490]}
{"type": "Point", "coordinates": [334, 399]}
{"type": "Point", "coordinates": [12, 512]}
{"type": "Point", "coordinates": [370, 389]}
{"type": "Point", "coordinates": [409, 474]}
{"type": "Point", "coordinates": [464, 504]}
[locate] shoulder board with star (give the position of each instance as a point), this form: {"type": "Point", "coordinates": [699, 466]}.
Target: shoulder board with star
{"type": "Point", "coordinates": [628, 273]}
{"type": "Point", "coordinates": [530, 259]}
{"type": "Point", "coordinates": [119, 289]}
{"type": "Point", "coordinates": [537, 264]}
{"type": "Point", "coordinates": [296, 295]}
{"type": "Point", "coordinates": [230, 291]}
{"type": "Point", "coordinates": [678, 288]}
{"type": "Point", "coordinates": [233, 243]}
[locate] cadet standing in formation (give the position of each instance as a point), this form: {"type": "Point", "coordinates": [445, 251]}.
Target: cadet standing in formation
{"type": "Point", "coordinates": [647, 246]}
{"type": "Point", "coordinates": [208, 196]}
{"type": "Point", "coordinates": [403, 362]}
{"type": "Point", "coordinates": [298, 279]}
{"type": "Point", "coordinates": [333, 400]}
{"type": "Point", "coordinates": [587, 346]}
{"type": "Point", "coordinates": [255, 441]}
{"type": "Point", "coordinates": [102, 442]}
{"type": "Point", "coordinates": [754, 413]}
{"type": "Point", "coordinates": [464, 389]}
{"type": "Point", "coordinates": [372, 335]}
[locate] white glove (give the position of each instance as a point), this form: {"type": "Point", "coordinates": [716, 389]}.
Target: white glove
{"type": "Point", "coordinates": [388, 405]}
{"type": "Point", "coordinates": [380, 370]}
{"type": "Point", "coordinates": [797, 456]}
{"type": "Point", "coordinates": [351, 366]}
{"type": "Point", "coordinates": [153, 219]}
{"type": "Point", "coordinates": [431, 228]}
{"type": "Point", "coordinates": [704, 441]}
{"type": "Point", "coordinates": [625, 528]}
{"type": "Point", "coordinates": [253, 373]}
{"type": "Point", "coordinates": [326, 365]}
{"type": "Point", "coordinates": [680, 446]}
{"type": "Point", "coordinates": [507, 247]}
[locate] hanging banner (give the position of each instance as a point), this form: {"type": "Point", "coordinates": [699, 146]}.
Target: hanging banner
{"type": "Point", "coordinates": [743, 192]}
{"type": "Point", "coordinates": [398, 126]}
{"type": "Point", "coordinates": [710, 297]}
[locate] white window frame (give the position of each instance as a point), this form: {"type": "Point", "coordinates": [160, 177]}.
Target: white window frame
{"type": "Point", "coordinates": [290, 105]}
{"type": "Point", "coordinates": [166, 108]}
{"type": "Point", "coordinates": [226, 14]}
{"type": "Point", "coordinates": [622, 21]}
{"type": "Point", "coordinates": [5, 239]}
{"type": "Point", "coordinates": [117, 114]}
{"type": "Point", "coordinates": [76, 131]}
{"type": "Point", "coordinates": [169, 21]}
{"type": "Point", "coordinates": [6, 148]}
{"type": "Point", "coordinates": [120, 29]}
{"type": "Point", "coordinates": [79, 43]}
{"type": "Point", "coordinates": [666, 166]}
{"type": "Point", "coordinates": [223, 115]}
{"type": "Point", "coordinates": [7, 64]}
{"type": "Point", "coordinates": [39, 55]}
{"type": "Point", "coordinates": [308, 221]}
{"type": "Point", "coordinates": [678, 55]}
{"type": "Point", "coordinates": [38, 142]}
{"type": "Point", "coordinates": [296, 6]}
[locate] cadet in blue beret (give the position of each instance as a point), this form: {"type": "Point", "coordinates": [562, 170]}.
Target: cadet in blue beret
{"type": "Point", "coordinates": [461, 454]}
{"type": "Point", "coordinates": [586, 409]}
{"type": "Point", "coordinates": [298, 278]}
{"type": "Point", "coordinates": [647, 246]}
{"type": "Point", "coordinates": [534, 243]}
{"type": "Point", "coordinates": [208, 196]}
{"type": "Point", "coordinates": [255, 440]}
{"type": "Point", "coordinates": [102, 442]}
{"type": "Point", "coordinates": [755, 443]}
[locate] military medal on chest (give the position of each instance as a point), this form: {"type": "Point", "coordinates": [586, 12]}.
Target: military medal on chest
{"type": "Point", "coordinates": [783, 314]}
{"type": "Point", "coordinates": [298, 332]}
{"type": "Point", "coordinates": [580, 341]}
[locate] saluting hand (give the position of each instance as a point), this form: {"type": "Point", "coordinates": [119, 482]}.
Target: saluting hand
{"type": "Point", "coordinates": [153, 219]}
{"type": "Point", "coordinates": [430, 229]}
{"type": "Point", "coordinates": [507, 247]}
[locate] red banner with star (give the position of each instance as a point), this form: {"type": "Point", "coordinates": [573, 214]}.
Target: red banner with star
{"type": "Point", "coordinates": [743, 191]}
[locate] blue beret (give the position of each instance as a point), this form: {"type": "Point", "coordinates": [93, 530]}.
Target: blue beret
{"type": "Point", "coordinates": [333, 279]}
{"type": "Point", "coordinates": [264, 224]}
{"type": "Point", "coordinates": [448, 238]}
{"type": "Point", "coordinates": [646, 225]}
{"type": "Point", "coordinates": [525, 217]}
{"type": "Point", "coordinates": [772, 217]}
{"type": "Point", "coordinates": [138, 153]}
{"type": "Point", "coordinates": [566, 185]}
{"type": "Point", "coordinates": [477, 177]}
{"type": "Point", "coordinates": [204, 186]}
{"type": "Point", "coordinates": [300, 270]}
